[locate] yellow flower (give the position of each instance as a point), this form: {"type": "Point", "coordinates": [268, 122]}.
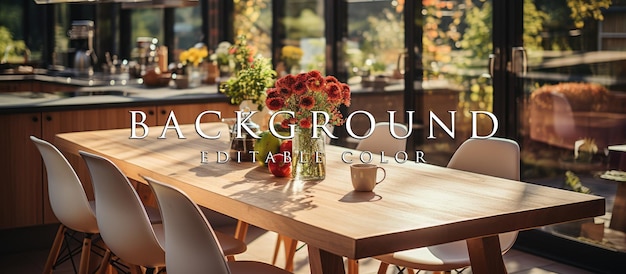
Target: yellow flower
{"type": "Point", "coordinates": [292, 52]}
{"type": "Point", "coordinates": [193, 55]}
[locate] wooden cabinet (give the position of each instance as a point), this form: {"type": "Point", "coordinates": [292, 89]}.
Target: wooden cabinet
{"type": "Point", "coordinates": [23, 186]}
{"type": "Point", "coordinates": [21, 202]}
{"type": "Point", "coordinates": [15, 86]}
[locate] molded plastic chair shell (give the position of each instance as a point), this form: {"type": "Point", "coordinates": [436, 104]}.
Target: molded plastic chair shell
{"type": "Point", "coordinates": [68, 202]}
{"type": "Point", "coordinates": [122, 219]}
{"type": "Point", "coordinates": [191, 244]}
{"type": "Point", "coordinates": [498, 157]}
{"type": "Point", "coordinates": [65, 191]}
{"type": "Point", "coordinates": [382, 140]}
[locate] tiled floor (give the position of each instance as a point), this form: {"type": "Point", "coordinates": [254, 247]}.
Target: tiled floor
{"type": "Point", "coordinates": [261, 247]}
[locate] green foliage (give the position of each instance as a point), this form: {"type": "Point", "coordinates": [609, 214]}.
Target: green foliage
{"type": "Point", "coordinates": [10, 50]}
{"type": "Point", "coordinates": [251, 19]}
{"type": "Point", "coordinates": [147, 23]}
{"type": "Point", "coordinates": [574, 182]}
{"type": "Point", "coordinates": [584, 9]}
{"type": "Point", "coordinates": [242, 53]}
{"type": "Point", "coordinates": [307, 25]}
{"type": "Point", "coordinates": [250, 83]}
{"type": "Point", "coordinates": [533, 25]}
{"type": "Point", "coordinates": [477, 36]}
{"type": "Point", "coordinates": [11, 15]}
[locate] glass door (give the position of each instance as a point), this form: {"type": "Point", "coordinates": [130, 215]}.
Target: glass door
{"type": "Point", "coordinates": [454, 78]}
{"type": "Point", "coordinates": [571, 98]}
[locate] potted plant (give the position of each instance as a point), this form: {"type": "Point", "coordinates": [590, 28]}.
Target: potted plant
{"type": "Point", "coordinates": [253, 75]}
{"type": "Point", "coordinates": [190, 66]}
{"type": "Point", "coordinates": [223, 59]}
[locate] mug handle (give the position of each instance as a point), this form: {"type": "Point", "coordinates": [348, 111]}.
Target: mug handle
{"type": "Point", "coordinates": [384, 175]}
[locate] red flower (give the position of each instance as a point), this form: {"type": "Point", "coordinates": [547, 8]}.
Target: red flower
{"type": "Point", "coordinates": [305, 123]}
{"type": "Point", "coordinates": [285, 123]}
{"type": "Point", "coordinates": [272, 92]}
{"type": "Point", "coordinates": [302, 77]}
{"type": "Point", "coordinates": [275, 103]}
{"type": "Point", "coordinates": [307, 92]}
{"type": "Point", "coordinates": [334, 92]}
{"type": "Point", "coordinates": [315, 84]}
{"type": "Point", "coordinates": [345, 94]}
{"type": "Point", "coordinates": [284, 92]}
{"type": "Point", "coordinates": [332, 79]}
{"type": "Point", "coordinates": [307, 102]}
{"type": "Point", "coordinates": [299, 87]}
{"type": "Point", "coordinates": [287, 81]}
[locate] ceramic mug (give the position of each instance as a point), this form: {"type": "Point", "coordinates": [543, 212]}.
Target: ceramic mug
{"type": "Point", "coordinates": [364, 176]}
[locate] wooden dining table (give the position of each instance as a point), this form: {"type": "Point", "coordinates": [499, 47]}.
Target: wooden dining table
{"type": "Point", "coordinates": [418, 204]}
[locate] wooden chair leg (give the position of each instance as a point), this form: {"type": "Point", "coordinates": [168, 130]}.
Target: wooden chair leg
{"type": "Point", "coordinates": [279, 240]}
{"type": "Point", "coordinates": [105, 265]}
{"type": "Point", "coordinates": [84, 255]}
{"type": "Point", "coordinates": [55, 249]}
{"type": "Point", "coordinates": [135, 269]}
{"type": "Point", "coordinates": [382, 269]}
{"type": "Point", "coordinates": [290, 252]}
{"type": "Point", "coordinates": [353, 266]}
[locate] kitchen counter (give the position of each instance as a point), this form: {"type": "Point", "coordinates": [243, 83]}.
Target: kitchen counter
{"type": "Point", "coordinates": [112, 90]}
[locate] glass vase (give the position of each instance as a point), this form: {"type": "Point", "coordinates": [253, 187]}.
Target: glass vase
{"type": "Point", "coordinates": [261, 118]}
{"type": "Point", "coordinates": [308, 161]}
{"type": "Point", "coordinates": [194, 75]}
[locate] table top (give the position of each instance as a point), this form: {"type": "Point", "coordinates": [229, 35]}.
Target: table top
{"type": "Point", "coordinates": [619, 148]}
{"type": "Point", "coordinates": [416, 205]}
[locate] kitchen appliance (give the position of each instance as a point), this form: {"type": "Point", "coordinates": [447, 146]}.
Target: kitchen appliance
{"type": "Point", "coordinates": [81, 37]}
{"type": "Point", "coordinates": [145, 55]}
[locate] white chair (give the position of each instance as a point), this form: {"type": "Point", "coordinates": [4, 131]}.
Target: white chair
{"type": "Point", "coordinates": [191, 245]}
{"type": "Point", "coordinates": [498, 157]}
{"type": "Point", "coordinates": [68, 202]}
{"type": "Point", "coordinates": [381, 139]}
{"type": "Point", "coordinates": [123, 221]}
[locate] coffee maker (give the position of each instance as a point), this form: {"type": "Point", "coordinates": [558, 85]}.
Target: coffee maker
{"type": "Point", "coordinates": [81, 40]}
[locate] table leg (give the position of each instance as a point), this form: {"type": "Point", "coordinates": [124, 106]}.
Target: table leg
{"type": "Point", "coordinates": [240, 233]}
{"type": "Point", "coordinates": [242, 230]}
{"type": "Point", "coordinates": [618, 220]}
{"type": "Point", "coordinates": [324, 262]}
{"type": "Point", "coordinates": [486, 255]}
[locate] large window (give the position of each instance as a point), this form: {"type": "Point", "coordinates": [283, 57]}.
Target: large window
{"type": "Point", "coordinates": [574, 107]}
{"type": "Point", "coordinates": [253, 19]}
{"type": "Point", "coordinates": [375, 46]}
{"type": "Point", "coordinates": [22, 38]}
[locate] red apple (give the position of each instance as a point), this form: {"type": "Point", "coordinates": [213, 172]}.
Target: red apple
{"type": "Point", "coordinates": [285, 145]}
{"type": "Point", "coordinates": [279, 165]}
